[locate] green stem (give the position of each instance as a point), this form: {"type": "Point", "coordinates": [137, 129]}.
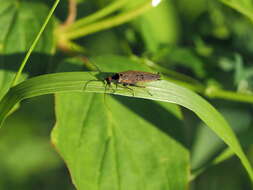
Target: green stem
{"type": "Point", "coordinates": [213, 92]}
{"type": "Point", "coordinates": [108, 23]}
{"type": "Point", "coordinates": [117, 4]}
{"type": "Point", "coordinates": [34, 44]}
{"type": "Point", "coordinates": [72, 47]}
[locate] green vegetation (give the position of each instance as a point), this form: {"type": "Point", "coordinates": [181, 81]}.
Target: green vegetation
{"type": "Point", "coordinates": [117, 137]}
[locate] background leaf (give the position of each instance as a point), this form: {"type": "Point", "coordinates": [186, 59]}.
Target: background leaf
{"type": "Point", "coordinates": [20, 23]}
{"type": "Point", "coordinates": [161, 20]}
{"type": "Point", "coordinates": [207, 145]}
{"type": "Point", "coordinates": [32, 159]}
{"type": "Point", "coordinates": [245, 6]}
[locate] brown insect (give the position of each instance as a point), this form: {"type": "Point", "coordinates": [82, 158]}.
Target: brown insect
{"type": "Point", "coordinates": [132, 78]}
{"type": "Point", "coordinates": [127, 78]}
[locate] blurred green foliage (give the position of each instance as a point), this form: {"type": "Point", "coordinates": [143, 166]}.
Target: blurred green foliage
{"type": "Point", "coordinates": [208, 41]}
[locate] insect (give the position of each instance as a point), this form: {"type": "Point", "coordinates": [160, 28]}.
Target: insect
{"type": "Point", "coordinates": [132, 78]}
{"type": "Point", "coordinates": [127, 78]}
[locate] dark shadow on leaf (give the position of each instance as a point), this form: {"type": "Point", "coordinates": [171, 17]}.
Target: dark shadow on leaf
{"type": "Point", "coordinates": [157, 115]}
{"type": "Point", "coordinates": [37, 63]}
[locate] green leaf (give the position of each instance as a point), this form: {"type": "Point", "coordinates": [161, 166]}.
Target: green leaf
{"type": "Point", "coordinates": [192, 12]}
{"type": "Point", "coordinates": [24, 136]}
{"type": "Point", "coordinates": [176, 56]}
{"type": "Point", "coordinates": [160, 90]}
{"type": "Point", "coordinates": [243, 6]}
{"type": "Point", "coordinates": [158, 26]}
{"type": "Point", "coordinates": [20, 23]}
{"type": "Point", "coordinates": [103, 151]}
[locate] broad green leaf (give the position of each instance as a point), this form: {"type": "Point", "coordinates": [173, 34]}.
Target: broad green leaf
{"type": "Point", "coordinates": [158, 26]}
{"type": "Point", "coordinates": [106, 145]}
{"type": "Point", "coordinates": [176, 56]}
{"type": "Point", "coordinates": [114, 63]}
{"type": "Point", "coordinates": [24, 136]}
{"type": "Point", "coordinates": [243, 6]}
{"type": "Point", "coordinates": [29, 130]}
{"type": "Point", "coordinates": [20, 23]}
{"type": "Point", "coordinates": [192, 12]}
{"type": "Point", "coordinates": [160, 90]}
{"type": "Point", "coordinates": [105, 42]}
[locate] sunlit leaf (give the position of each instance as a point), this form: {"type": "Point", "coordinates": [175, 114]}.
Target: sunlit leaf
{"type": "Point", "coordinates": [243, 6]}
{"type": "Point", "coordinates": [108, 145]}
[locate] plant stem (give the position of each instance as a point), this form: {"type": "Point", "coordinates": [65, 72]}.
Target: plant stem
{"type": "Point", "coordinates": [117, 4]}
{"type": "Point", "coordinates": [71, 47]}
{"type": "Point", "coordinates": [71, 14]}
{"type": "Point", "coordinates": [108, 23]}
{"type": "Point", "coordinates": [34, 43]}
{"type": "Point", "coordinates": [214, 92]}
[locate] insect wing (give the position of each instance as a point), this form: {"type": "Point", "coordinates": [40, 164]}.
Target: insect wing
{"type": "Point", "coordinates": [132, 77]}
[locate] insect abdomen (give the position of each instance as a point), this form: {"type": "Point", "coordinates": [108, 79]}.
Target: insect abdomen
{"type": "Point", "coordinates": [133, 77]}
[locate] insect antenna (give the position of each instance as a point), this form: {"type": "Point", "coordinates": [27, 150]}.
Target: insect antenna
{"type": "Point", "coordinates": [92, 62]}
{"type": "Point", "coordinates": [88, 62]}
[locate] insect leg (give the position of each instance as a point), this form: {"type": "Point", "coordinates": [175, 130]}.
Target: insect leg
{"type": "Point", "coordinates": [114, 90]}
{"type": "Point", "coordinates": [86, 84]}
{"type": "Point", "coordinates": [141, 87]}
{"type": "Point", "coordinates": [125, 85]}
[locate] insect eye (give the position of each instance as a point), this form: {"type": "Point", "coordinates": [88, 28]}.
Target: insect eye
{"type": "Point", "coordinates": [115, 77]}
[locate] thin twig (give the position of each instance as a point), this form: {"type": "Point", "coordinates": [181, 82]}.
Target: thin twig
{"type": "Point", "coordinates": [72, 11]}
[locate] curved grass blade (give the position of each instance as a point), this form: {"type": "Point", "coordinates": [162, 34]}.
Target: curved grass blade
{"type": "Point", "coordinates": [160, 90]}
